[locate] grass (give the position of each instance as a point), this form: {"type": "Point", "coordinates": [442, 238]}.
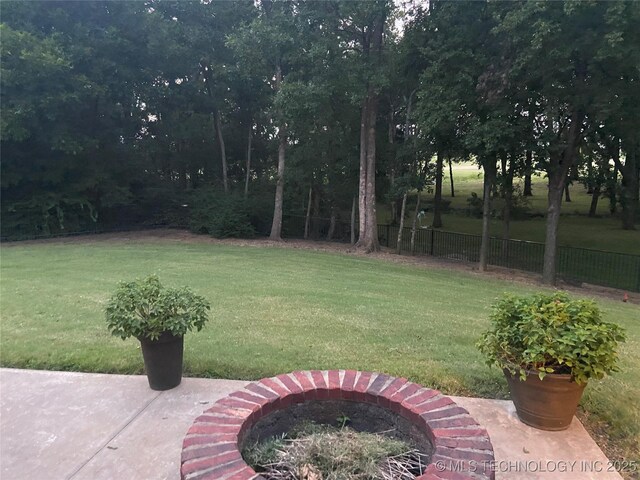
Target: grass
{"type": "Point", "coordinates": [576, 229]}
{"type": "Point", "coordinates": [276, 310]}
{"type": "Point", "coordinates": [330, 453]}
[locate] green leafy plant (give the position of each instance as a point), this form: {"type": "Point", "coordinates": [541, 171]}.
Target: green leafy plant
{"type": "Point", "coordinates": [145, 309]}
{"type": "Point", "coordinates": [551, 334]}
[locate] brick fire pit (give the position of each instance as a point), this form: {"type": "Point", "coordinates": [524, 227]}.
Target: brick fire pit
{"type": "Point", "coordinates": [461, 448]}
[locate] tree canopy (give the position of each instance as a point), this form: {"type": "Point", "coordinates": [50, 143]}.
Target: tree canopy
{"type": "Point", "coordinates": [131, 112]}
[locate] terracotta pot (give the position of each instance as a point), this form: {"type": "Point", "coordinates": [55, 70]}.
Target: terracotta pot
{"type": "Point", "coordinates": [547, 404]}
{"type": "Point", "coordinates": [163, 360]}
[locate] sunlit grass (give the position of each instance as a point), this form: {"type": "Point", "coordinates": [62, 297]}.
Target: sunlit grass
{"type": "Point", "coordinates": [276, 310]}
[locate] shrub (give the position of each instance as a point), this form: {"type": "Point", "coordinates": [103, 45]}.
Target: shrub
{"type": "Point", "coordinates": [474, 206]}
{"type": "Point", "coordinates": [551, 334]}
{"type": "Point", "coordinates": [146, 309]}
{"type": "Point", "coordinates": [220, 215]}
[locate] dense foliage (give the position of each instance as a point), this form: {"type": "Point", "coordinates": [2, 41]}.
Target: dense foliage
{"type": "Point", "coordinates": [146, 309]}
{"type": "Point", "coordinates": [113, 112]}
{"type": "Point", "coordinates": [551, 333]}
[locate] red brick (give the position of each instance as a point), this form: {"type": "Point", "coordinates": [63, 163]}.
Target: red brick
{"type": "Point", "coordinates": [377, 385]}
{"type": "Point", "coordinates": [207, 429]}
{"type": "Point", "coordinates": [363, 382]}
{"type": "Point", "coordinates": [318, 379]}
{"type": "Point", "coordinates": [468, 455]}
{"type": "Point", "coordinates": [304, 381]}
{"type": "Point", "coordinates": [433, 404]}
{"type": "Point", "coordinates": [422, 397]}
{"type": "Point", "coordinates": [220, 471]}
{"type": "Point", "coordinates": [390, 390]}
{"type": "Point", "coordinates": [203, 439]}
{"type": "Point", "coordinates": [261, 391]}
{"type": "Point", "coordinates": [219, 420]}
{"type": "Point", "coordinates": [443, 413]}
{"type": "Point", "coordinates": [459, 432]}
{"type": "Point", "coordinates": [334, 379]}
{"type": "Point", "coordinates": [463, 421]}
{"type": "Point", "coordinates": [280, 390]}
{"type": "Point", "coordinates": [395, 402]}
{"type": "Point", "coordinates": [349, 380]}
{"type": "Point", "coordinates": [477, 443]}
{"type": "Point", "coordinates": [207, 451]}
{"type": "Point", "coordinates": [217, 462]}
{"type": "Point", "coordinates": [217, 409]}
{"type": "Point", "coordinates": [249, 397]}
{"type": "Point", "coordinates": [238, 404]}
{"type": "Point", "coordinates": [288, 382]}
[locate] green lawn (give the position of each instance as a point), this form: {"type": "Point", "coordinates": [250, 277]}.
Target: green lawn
{"type": "Point", "coordinates": [276, 310]}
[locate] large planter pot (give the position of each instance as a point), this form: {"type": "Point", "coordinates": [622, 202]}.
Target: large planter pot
{"type": "Point", "coordinates": [547, 404]}
{"type": "Point", "coordinates": [163, 360]}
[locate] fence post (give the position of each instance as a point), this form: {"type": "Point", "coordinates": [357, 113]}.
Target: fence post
{"type": "Point", "coordinates": [432, 236]}
{"type": "Point", "coordinates": [388, 235]}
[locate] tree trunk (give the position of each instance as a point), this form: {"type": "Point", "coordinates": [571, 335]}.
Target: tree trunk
{"type": "Point", "coordinates": [567, 195]}
{"type": "Point", "coordinates": [401, 228]}
{"type": "Point", "coordinates": [368, 235]}
{"type": "Point", "coordinates": [392, 174]}
{"type": "Point", "coordinates": [437, 199]}
{"type": "Point", "coordinates": [308, 216]}
{"type": "Point", "coordinates": [248, 172]}
{"type": "Point", "coordinates": [508, 197]}
{"type": "Point", "coordinates": [413, 224]}
{"type": "Point", "coordinates": [362, 181]}
{"type": "Point", "coordinates": [223, 151]}
{"type": "Point", "coordinates": [629, 194]}
{"type": "Point", "coordinates": [489, 166]}
{"type": "Point", "coordinates": [453, 192]}
{"type": "Point", "coordinates": [554, 202]}
{"type": "Point", "coordinates": [276, 226]}
{"type": "Point", "coordinates": [315, 219]}
{"type": "Point", "coordinates": [332, 225]}
{"type": "Point", "coordinates": [595, 195]}
{"type": "Point", "coordinates": [353, 221]}
{"type": "Point", "coordinates": [559, 168]}
{"type": "Point", "coordinates": [371, 243]}
{"type": "Point", "coordinates": [528, 170]}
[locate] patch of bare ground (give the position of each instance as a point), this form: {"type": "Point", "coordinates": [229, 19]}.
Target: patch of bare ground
{"type": "Point", "coordinates": [385, 254]}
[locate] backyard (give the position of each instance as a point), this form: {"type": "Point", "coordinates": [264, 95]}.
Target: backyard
{"type": "Point", "coordinates": [275, 310]}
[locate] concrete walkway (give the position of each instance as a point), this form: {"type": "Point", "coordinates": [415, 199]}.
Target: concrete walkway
{"type": "Point", "coordinates": [65, 425]}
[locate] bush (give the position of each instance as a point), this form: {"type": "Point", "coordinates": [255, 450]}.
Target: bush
{"type": "Point", "coordinates": [146, 309]}
{"type": "Point", "coordinates": [220, 215]}
{"type": "Point", "coordinates": [551, 334]}
{"type": "Point", "coordinates": [474, 206]}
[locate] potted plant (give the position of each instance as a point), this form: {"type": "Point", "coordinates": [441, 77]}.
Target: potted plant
{"type": "Point", "coordinates": [158, 317]}
{"type": "Point", "coordinates": [549, 346]}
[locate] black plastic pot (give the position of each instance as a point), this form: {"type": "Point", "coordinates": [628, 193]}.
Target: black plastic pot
{"type": "Point", "coordinates": [547, 404]}
{"type": "Point", "coordinates": [163, 360]}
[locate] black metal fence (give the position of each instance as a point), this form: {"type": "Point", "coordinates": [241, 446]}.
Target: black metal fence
{"type": "Point", "coordinates": [575, 265]}
{"type": "Point", "coordinates": [610, 269]}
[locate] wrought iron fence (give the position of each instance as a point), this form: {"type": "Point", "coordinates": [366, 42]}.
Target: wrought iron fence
{"type": "Point", "coordinates": [610, 269]}
{"type": "Point", "coordinates": [598, 267]}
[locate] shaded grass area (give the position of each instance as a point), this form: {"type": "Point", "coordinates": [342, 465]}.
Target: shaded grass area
{"type": "Point", "coordinates": [276, 310]}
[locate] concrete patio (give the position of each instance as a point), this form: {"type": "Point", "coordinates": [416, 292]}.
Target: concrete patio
{"type": "Point", "coordinates": [66, 425]}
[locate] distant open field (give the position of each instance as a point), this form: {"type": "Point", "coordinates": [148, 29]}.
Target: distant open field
{"type": "Point", "coordinates": [576, 228]}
